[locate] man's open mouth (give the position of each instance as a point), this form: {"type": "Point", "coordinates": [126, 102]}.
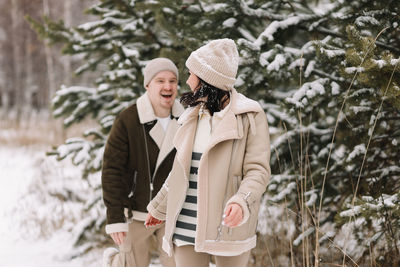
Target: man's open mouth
{"type": "Point", "coordinates": [166, 95]}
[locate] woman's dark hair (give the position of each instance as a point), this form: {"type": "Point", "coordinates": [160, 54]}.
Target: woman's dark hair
{"type": "Point", "coordinates": [216, 97]}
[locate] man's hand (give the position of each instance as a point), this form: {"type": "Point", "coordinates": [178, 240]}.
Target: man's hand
{"type": "Point", "coordinates": [233, 215]}
{"type": "Point", "coordinates": [151, 221]}
{"type": "Point", "coordinates": [118, 237]}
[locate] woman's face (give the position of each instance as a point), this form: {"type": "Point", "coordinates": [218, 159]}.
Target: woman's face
{"type": "Point", "coordinates": [193, 81]}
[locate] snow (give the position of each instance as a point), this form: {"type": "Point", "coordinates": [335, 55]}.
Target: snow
{"type": "Point", "coordinates": [309, 90]}
{"type": "Point", "coordinates": [310, 68]}
{"type": "Point", "coordinates": [246, 34]}
{"type": "Point", "coordinates": [28, 177]}
{"type": "Point", "coordinates": [303, 235]}
{"type": "Point", "coordinates": [297, 63]}
{"type": "Point", "coordinates": [215, 7]}
{"type": "Point", "coordinates": [130, 52]}
{"type": "Point", "coordinates": [272, 28]}
{"type": "Point", "coordinates": [265, 56]}
{"type": "Point", "coordinates": [19, 167]}
{"type": "Point", "coordinates": [277, 63]}
{"type": "Point", "coordinates": [335, 88]}
{"type": "Point", "coordinates": [332, 53]}
{"type": "Point", "coordinates": [168, 11]}
{"type": "Point", "coordinates": [358, 150]}
{"type": "Point", "coordinates": [351, 212]}
{"type": "Point", "coordinates": [395, 61]}
{"type": "Point", "coordinates": [229, 23]}
{"type": "Point", "coordinates": [362, 21]}
{"type": "Point", "coordinates": [351, 70]}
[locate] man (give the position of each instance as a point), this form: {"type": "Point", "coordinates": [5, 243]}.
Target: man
{"type": "Point", "coordinates": [137, 159]}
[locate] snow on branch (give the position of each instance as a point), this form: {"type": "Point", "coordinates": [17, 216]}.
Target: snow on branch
{"type": "Point", "coordinates": [272, 28]}
{"type": "Point", "coordinates": [312, 128]}
{"type": "Point", "coordinates": [307, 91]}
{"type": "Point", "coordinates": [259, 12]}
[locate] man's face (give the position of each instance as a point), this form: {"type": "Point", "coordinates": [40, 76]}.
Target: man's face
{"type": "Point", "coordinates": [162, 89]}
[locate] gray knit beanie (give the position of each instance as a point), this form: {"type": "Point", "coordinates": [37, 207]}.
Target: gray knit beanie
{"type": "Point", "coordinates": [156, 65]}
{"type": "Point", "coordinates": [216, 63]}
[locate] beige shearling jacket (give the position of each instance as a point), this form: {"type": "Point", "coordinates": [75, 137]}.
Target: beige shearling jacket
{"type": "Point", "coordinates": [233, 168]}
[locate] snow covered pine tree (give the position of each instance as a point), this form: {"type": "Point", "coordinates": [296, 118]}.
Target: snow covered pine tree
{"type": "Point", "coordinates": [115, 46]}
{"type": "Point", "coordinates": [326, 85]}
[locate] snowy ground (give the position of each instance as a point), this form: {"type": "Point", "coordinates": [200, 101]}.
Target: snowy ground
{"type": "Point", "coordinates": [25, 173]}
{"type": "Point", "coordinates": [19, 166]}
{"type": "Point", "coordinates": [35, 227]}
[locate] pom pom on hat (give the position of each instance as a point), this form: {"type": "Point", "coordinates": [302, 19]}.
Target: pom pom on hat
{"type": "Point", "coordinates": [156, 65]}
{"type": "Point", "coordinates": [216, 63]}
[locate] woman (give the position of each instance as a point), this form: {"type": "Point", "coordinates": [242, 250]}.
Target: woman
{"type": "Point", "coordinates": [211, 198]}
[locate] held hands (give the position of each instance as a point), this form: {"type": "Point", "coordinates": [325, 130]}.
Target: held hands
{"type": "Point", "coordinates": [151, 221]}
{"type": "Point", "coordinates": [118, 237]}
{"type": "Point", "coordinates": [233, 215]}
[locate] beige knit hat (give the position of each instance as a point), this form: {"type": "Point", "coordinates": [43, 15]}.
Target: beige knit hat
{"type": "Point", "coordinates": [216, 63]}
{"type": "Point", "coordinates": [156, 65]}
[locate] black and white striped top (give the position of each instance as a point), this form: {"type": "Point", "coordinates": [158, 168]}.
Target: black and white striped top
{"type": "Point", "coordinates": [185, 230]}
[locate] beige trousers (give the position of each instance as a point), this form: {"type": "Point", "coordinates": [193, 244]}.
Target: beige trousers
{"type": "Point", "coordinates": [186, 256]}
{"type": "Point", "coordinates": [135, 251]}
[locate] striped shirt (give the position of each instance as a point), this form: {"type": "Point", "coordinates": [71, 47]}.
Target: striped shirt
{"type": "Point", "coordinates": [185, 230]}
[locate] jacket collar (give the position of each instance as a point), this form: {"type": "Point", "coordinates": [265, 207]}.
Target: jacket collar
{"type": "Point", "coordinates": [230, 126]}
{"type": "Point", "coordinates": [239, 104]}
{"type": "Point", "coordinates": [146, 111]}
{"type": "Point", "coordinates": [162, 138]}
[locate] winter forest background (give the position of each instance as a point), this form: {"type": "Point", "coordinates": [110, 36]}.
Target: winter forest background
{"type": "Point", "coordinates": [326, 73]}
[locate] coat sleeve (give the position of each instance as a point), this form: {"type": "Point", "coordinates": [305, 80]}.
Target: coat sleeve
{"type": "Point", "coordinates": [256, 168]}
{"type": "Point", "coordinates": [115, 172]}
{"type": "Point", "coordinates": [158, 205]}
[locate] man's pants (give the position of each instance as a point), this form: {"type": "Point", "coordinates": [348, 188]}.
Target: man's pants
{"type": "Point", "coordinates": [135, 251]}
{"type": "Point", "coordinates": [186, 256]}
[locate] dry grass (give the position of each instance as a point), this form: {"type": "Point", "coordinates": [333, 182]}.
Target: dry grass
{"type": "Point", "coordinates": [38, 129]}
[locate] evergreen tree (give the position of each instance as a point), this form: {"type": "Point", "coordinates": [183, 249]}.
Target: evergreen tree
{"type": "Point", "coordinates": [341, 144]}
{"type": "Point", "coordinates": [326, 73]}
{"type": "Point", "coordinates": [116, 46]}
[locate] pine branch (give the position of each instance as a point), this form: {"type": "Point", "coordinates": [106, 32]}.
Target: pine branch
{"type": "Point", "coordinates": [326, 75]}
{"type": "Point", "coordinates": [338, 35]}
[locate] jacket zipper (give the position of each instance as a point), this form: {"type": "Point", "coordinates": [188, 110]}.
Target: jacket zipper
{"type": "Point", "coordinates": [219, 229]}
{"type": "Point", "coordinates": [151, 177]}
{"type": "Point", "coordinates": [133, 188]}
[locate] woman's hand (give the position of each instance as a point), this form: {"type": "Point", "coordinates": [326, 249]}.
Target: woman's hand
{"type": "Point", "coordinates": [233, 215]}
{"type": "Point", "coordinates": [118, 237]}
{"type": "Point", "coordinates": [151, 221]}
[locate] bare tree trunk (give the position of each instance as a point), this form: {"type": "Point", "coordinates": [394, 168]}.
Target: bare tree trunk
{"type": "Point", "coordinates": [67, 60]}
{"type": "Point", "coordinates": [17, 42]}
{"type": "Point", "coordinates": [28, 79]}
{"type": "Point", "coordinates": [49, 59]}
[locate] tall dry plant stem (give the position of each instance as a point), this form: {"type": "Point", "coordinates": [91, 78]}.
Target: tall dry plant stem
{"type": "Point", "coordinates": [369, 141]}
{"type": "Point", "coordinates": [370, 137]}
{"type": "Point", "coordinates": [331, 147]}
{"type": "Point", "coordinates": [290, 241]}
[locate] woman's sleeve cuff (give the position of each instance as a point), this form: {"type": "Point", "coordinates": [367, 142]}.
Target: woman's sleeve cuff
{"type": "Point", "coordinates": [117, 227]}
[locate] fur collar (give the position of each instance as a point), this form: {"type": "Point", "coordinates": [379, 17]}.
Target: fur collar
{"type": "Point", "coordinates": [239, 104]}
{"type": "Point", "coordinates": [146, 112]}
